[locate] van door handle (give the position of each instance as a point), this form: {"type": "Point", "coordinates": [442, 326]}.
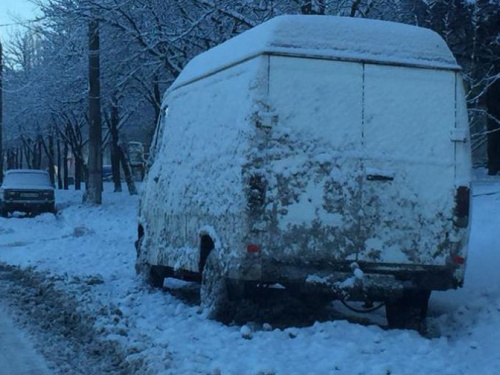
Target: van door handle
{"type": "Point", "coordinates": [378, 174]}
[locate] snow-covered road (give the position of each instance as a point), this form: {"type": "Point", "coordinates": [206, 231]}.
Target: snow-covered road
{"type": "Point", "coordinates": [17, 355]}
{"type": "Point", "coordinates": [75, 290]}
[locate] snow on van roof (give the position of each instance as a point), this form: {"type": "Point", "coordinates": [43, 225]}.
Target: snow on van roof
{"type": "Point", "coordinates": [328, 37]}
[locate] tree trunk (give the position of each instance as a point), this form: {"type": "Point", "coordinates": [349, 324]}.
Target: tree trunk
{"type": "Point", "coordinates": [127, 171]}
{"type": "Point", "coordinates": [52, 164]}
{"type": "Point", "coordinates": [49, 152]}
{"type": "Point", "coordinates": [157, 106]}
{"type": "Point", "coordinates": [115, 167]}
{"type": "Point", "coordinates": [80, 175]}
{"type": "Point", "coordinates": [59, 164]}
{"type": "Point", "coordinates": [37, 153]}
{"type": "Point", "coordinates": [26, 150]}
{"type": "Point", "coordinates": [354, 7]}
{"type": "Point", "coordinates": [20, 153]}
{"type": "Point", "coordinates": [1, 114]}
{"type": "Point", "coordinates": [65, 166]}
{"type": "Point", "coordinates": [115, 152]}
{"type": "Point", "coordinates": [93, 191]}
{"type": "Point", "coordinates": [493, 106]}
{"type": "Point", "coordinates": [313, 7]}
{"type": "Point", "coordinates": [11, 159]}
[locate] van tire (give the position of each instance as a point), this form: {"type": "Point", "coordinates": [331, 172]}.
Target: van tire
{"type": "Point", "coordinates": [214, 296]}
{"type": "Point", "coordinates": [155, 277]}
{"type": "Point", "coordinates": [151, 275]}
{"type": "Point", "coordinates": [408, 311]}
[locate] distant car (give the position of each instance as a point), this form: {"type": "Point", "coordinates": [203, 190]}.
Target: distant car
{"type": "Point", "coordinates": [107, 173]}
{"type": "Point", "coordinates": [26, 190]}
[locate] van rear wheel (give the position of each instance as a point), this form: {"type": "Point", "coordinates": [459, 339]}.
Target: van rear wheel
{"type": "Point", "coordinates": [156, 277]}
{"type": "Point", "coordinates": [214, 294]}
{"type": "Point", "coordinates": [408, 311]}
{"type": "Point", "coordinates": [152, 275]}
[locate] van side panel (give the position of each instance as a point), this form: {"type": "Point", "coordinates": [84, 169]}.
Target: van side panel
{"type": "Point", "coordinates": [409, 185]}
{"type": "Point", "coordinates": [313, 160]}
{"type": "Point", "coordinates": [195, 185]}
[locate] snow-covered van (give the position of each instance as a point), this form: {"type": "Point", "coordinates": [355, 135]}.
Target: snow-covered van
{"type": "Point", "coordinates": [321, 154]}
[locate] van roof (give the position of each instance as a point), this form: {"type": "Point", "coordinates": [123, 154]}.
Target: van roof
{"type": "Point", "coordinates": [328, 37]}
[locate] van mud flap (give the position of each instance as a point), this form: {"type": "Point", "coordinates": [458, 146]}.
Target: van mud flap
{"type": "Point", "coordinates": [356, 286]}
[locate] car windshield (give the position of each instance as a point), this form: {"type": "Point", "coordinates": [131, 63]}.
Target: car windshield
{"type": "Point", "coordinates": [20, 179]}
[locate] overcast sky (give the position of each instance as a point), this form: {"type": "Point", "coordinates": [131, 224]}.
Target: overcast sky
{"type": "Point", "coordinates": [16, 8]}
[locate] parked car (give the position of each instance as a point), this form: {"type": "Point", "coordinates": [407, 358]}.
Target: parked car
{"type": "Point", "coordinates": [311, 153]}
{"type": "Point", "coordinates": [107, 172]}
{"type": "Point", "coordinates": [26, 190]}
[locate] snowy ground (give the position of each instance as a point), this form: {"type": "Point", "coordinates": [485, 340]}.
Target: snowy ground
{"type": "Point", "coordinates": [17, 355]}
{"type": "Point", "coordinates": [70, 282]}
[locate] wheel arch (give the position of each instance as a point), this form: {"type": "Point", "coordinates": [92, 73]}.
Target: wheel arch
{"type": "Point", "coordinates": [206, 246]}
{"type": "Point", "coordinates": [140, 235]}
{"type": "Point", "coordinates": [208, 241]}
{"type": "Point", "coordinates": [140, 230]}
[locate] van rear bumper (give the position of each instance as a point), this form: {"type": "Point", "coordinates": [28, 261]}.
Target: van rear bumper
{"type": "Point", "coordinates": [359, 283]}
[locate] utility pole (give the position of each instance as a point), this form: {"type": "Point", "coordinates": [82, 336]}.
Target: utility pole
{"type": "Point", "coordinates": [1, 113]}
{"type": "Point", "coordinates": [93, 191]}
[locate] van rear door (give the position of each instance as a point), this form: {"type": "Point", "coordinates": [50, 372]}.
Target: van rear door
{"type": "Point", "coordinates": [316, 192]}
{"type": "Point", "coordinates": [409, 165]}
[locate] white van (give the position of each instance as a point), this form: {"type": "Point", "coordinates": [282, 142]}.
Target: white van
{"type": "Point", "coordinates": [322, 154]}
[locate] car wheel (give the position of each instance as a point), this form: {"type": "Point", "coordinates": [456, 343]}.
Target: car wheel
{"type": "Point", "coordinates": [214, 292]}
{"type": "Point", "coordinates": [4, 212]}
{"type": "Point", "coordinates": [408, 311]}
{"type": "Point", "coordinates": [155, 278]}
{"type": "Point", "coordinates": [152, 275]}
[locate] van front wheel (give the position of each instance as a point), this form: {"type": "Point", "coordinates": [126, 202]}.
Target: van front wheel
{"type": "Point", "coordinates": [213, 292]}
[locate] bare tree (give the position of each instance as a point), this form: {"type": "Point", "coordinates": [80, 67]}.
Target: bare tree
{"type": "Point", "coordinates": [145, 45]}
{"type": "Point", "coordinates": [1, 113]}
{"type": "Point", "coordinates": [93, 191]}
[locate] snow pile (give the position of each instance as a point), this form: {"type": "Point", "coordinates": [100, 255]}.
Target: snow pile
{"type": "Point", "coordinates": [343, 38]}
{"type": "Point", "coordinates": [81, 265]}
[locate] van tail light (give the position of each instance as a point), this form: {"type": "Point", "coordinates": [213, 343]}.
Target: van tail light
{"type": "Point", "coordinates": [462, 206]}
{"type": "Point", "coordinates": [458, 260]}
{"type": "Point", "coordinates": [253, 248]}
